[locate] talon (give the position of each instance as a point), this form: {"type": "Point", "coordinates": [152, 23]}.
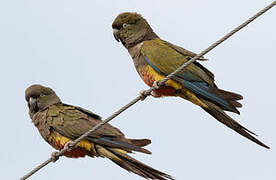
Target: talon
{"type": "Point", "coordinates": [143, 95]}
{"type": "Point", "coordinates": [155, 85]}
{"type": "Point", "coordinates": [54, 156]}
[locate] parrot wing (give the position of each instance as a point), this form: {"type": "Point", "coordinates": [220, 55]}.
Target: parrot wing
{"type": "Point", "coordinates": [90, 113]}
{"type": "Point", "coordinates": [183, 51]}
{"type": "Point", "coordinates": [75, 121]}
{"type": "Point", "coordinates": [163, 56]}
{"type": "Point", "coordinates": [164, 59]}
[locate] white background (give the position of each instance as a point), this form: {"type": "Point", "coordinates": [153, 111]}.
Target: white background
{"type": "Point", "coordinates": [68, 45]}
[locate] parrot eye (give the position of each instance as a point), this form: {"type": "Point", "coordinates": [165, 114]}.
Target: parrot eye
{"type": "Point", "coordinates": [125, 25]}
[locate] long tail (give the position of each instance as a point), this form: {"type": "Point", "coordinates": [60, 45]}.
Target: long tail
{"type": "Point", "coordinates": [230, 97]}
{"type": "Point", "coordinates": [222, 117]}
{"type": "Point", "coordinates": [140, 142]}
{"type": "Point", "coordinates": [120, 157]}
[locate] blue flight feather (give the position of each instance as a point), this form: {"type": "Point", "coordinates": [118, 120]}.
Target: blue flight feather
{"type": "Point", "coordinates": [119, 143]}
{"type": "Point", "coordinates": [200, 88]}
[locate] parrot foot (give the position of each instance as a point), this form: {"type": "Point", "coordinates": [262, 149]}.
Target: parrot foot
{"type": "Point", "coordinates": [69, 146]}
{"type": "Point", "coordinates": [143, 94]}
{"type": "Point", "coordinates": [155, 85]}
{"type": "Point", "coordinates": [154, 94]}
{"type": "Point", "coordinates": [54, 156]}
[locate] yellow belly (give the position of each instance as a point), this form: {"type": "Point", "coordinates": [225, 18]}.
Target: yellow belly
{"type": "Point", "coordinates": [83, 148]}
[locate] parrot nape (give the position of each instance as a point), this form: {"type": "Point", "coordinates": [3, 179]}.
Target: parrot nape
{"type": "Point", "coordinates": [155, 58]}
{"type": "Point", "coordinates": [60, 123]}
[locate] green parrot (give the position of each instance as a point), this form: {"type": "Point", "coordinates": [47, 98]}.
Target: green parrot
{"type": "Point", "coordinates": [155, 58]}
{"type": "Point", "coordinates": [60, 123]}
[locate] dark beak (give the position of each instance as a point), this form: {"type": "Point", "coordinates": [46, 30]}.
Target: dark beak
{"type": "Point", "coordinates": [116, 34]}
{"type": "Point", "coordinates": [33, 104]}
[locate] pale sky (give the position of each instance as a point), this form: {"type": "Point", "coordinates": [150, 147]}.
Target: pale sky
{"type": "Point", "coordinates": [68, 45]}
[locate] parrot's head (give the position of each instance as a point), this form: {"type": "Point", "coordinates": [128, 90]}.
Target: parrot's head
{"type": "Point", "coordinates": [131, 29]}
{"type": "Point", "coordinates": [39, 98]}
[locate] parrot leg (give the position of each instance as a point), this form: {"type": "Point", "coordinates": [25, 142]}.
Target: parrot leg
{"type": "Point", "coordinates": [54, 156]}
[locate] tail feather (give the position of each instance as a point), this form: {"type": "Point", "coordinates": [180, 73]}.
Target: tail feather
{"type": "Point", "coordinates": [140, 142]}
{"type": "Point", "coordinates": [222, 117]}
{"type": "Point", "coordinates": [131, 164]}
{"type": "Point", "coordinates": [235, 104]}
{"type": "Point", "coordinates": [230, 97]}
{"type": "Point", "coordinates": [123, 143]}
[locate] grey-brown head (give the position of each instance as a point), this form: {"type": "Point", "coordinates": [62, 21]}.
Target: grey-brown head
{"type": "Point", "coordinates": [39, 98]}
{"type": "Point", "coordinates": [131, 28]}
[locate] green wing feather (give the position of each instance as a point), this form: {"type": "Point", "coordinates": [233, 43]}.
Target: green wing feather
{"type": "Point", "coordinates": [72, 122]}
{"type": "Point", "coordinates": [164, 59]}
{"type": "Point", "coordinates": [167, 58]}
{"type": "Point", "coordinates": [183, 51]}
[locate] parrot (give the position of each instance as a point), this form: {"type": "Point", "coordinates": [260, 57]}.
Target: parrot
{"type": "Point", "coordinates": [155, 58]}
{"type": "Point", "coordinates": [60, 123]}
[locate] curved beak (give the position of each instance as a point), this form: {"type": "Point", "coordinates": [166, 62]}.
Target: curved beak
{"type": "Point", "coordinates": [116, 34]}
{"type": "Point", "coordinates": [33, 104]}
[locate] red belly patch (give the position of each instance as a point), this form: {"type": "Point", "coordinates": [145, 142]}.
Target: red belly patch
{"type": "Point", "coordinates": [74, 153]}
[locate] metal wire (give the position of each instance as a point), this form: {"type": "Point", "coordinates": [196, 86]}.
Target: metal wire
{"type": "Point", "coordinates": [148, 92]}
